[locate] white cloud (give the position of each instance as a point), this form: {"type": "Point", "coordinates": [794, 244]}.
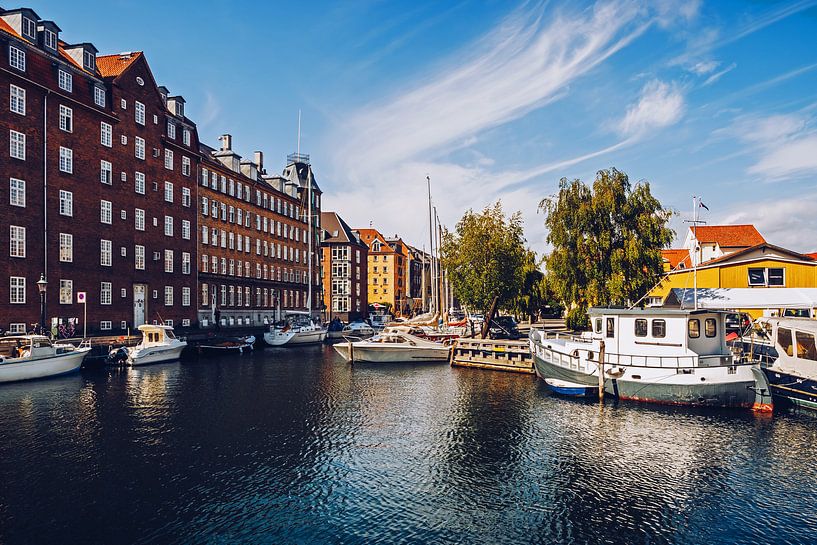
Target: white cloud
{"type": "Point", "coordinates": [660, 104]}
{"type": "Point", "coordinates": [718, 75]}
{"type": "Point", "coordinates": [784, 222]}
{"type": "Point", "coordinates": [703, 67]}
{"type": "Point", "coordinates": [792, 159]}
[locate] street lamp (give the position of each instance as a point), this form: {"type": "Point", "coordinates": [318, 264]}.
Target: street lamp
{"type": "Point", "coordinates": [41, 285]}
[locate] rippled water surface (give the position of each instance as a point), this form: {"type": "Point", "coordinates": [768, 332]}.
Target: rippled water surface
{"type": "Point", "coordinates": [294, 446]}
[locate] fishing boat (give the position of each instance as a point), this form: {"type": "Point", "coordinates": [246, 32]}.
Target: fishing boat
{"type": "Point", "coordinates": [159, 344]}
{"type": "Point", "coordinates": [297, 328]}
{"type": "Point", "coordinates": [792, 366]}
{"type": "Point", "coordinates": [227, 344]}
{"type": "Point", "coordinates": [668, 356]}
{"type": "Point", "coordinates": [26, 357]}
{"type": "Point", "coordinates": [393, 348]}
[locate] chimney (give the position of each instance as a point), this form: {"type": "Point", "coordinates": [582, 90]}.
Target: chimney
{"type": "Point", "coordinates": [259, 160]}
{"type": "Point", "coordinates": [226, 142]}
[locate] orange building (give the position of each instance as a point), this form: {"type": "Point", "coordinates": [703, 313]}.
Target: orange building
{"type": "Point", "coordinates": [386, 270]}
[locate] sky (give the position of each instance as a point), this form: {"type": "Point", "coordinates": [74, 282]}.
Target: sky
{"type": "Point", "coordinates": [497, 100]}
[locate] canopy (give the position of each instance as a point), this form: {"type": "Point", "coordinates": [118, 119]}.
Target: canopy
{"type": "Point", "coordinates": [743, 298]}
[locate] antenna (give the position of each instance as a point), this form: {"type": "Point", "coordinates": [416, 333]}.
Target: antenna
{"type": "Point", "coordinates": [299, 131]}
{"type": "Point", "coordinates": [696, 203]}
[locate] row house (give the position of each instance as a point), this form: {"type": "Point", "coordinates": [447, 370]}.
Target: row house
{"type": "Point", "coordinates": [95, 193]}
{"type": "Point", "coordinates": [345, 270]}
{"type": "Point", "coordinates": [386, 270]}
{"type": "Point", "coordinates": [418, 279]}
{"type": "Point", "coordinates": [253, 239]}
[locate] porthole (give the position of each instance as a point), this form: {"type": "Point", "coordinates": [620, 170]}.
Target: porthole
{"type": "Point", "coordinates": [139, 80]}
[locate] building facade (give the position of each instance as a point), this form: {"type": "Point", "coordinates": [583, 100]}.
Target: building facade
{"type": "Point", "coordinates": [345, 270]}
{"type": "Point", "coordinates": [79, 127]}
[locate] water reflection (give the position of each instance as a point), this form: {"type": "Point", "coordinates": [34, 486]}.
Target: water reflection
{"type": "Point", "coordinates": [296, 446]}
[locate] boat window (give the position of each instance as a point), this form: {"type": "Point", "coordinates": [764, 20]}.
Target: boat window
{"type": "Point", "coordinates": [694, 328]}
{"type": "Point", "coordinates": [169, 334]}
{"type": "Point", "coordinates": [659, 329]}
{"type": "Point", "coordinates": [710, 327]}
{"type": "Point", "coordinates": [805, 346]}
{"type": "Point", "coordinates": [611, 327]}
{"type": "Point", "coordinates": [640, 327]}
{"type": "Point", "coordinates": [598, 325]}
{"type": "Point", "coordinates": [784, 340]}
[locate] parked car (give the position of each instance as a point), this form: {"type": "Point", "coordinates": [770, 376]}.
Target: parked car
{"type": "Point", "coordinates": [504, 327]}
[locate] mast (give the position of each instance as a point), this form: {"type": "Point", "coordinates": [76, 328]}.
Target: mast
{"type": "Point", "coordinates": [309, 232]}
{"type": "Point", "coordinates": [431, 246]}
{"type": "Point", "coordinates": [423, 280]}
{"type": "Point", "coordinates": [696, 256]}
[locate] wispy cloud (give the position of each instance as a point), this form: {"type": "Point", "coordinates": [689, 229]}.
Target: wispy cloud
{"type": "Point", "coordinates": [787, 222]}
{"type": "Point", "coordinates": [659, 105]}
{"type": "Point", "coordinates": [717, 75]}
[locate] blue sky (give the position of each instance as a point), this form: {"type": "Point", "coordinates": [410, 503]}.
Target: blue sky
{"type": "Point", "coordinates": [496, 99]}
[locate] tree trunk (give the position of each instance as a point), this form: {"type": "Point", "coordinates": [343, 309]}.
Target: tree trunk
{"type": "Point", "coordinates": [486, 325]}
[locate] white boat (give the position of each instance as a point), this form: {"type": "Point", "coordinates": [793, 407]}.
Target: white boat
{"type": "Point", "coordinates": [360, 330]}
{"type": "Point", "coordinates": [26, 357]}
{"type": "Point", "coordinates": [225, 344]}
{"type": "Point", "coordinates": [158, 344]}
{"type": "Point", "coordinates": [393, 348]}
{"type": "Point", "coordinates": [667, 356]}
{"type": "Point", "coordinates": [296, 328]}
{"type": "Point", "coordinates": [792, 371]}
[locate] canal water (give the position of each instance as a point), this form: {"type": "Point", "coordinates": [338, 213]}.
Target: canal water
{"type": "Point", "coordinates": [295, 446]}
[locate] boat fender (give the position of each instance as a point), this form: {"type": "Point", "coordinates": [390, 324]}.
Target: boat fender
{"type": "Point", "coordinates": [616, 371]}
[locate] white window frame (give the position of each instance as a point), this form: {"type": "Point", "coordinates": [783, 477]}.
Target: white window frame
{"type": "Point", "coordinates": [66, 291]}
{"type": "Point", "coordinates": [17, 58]}
{"type": "Point", "coordinates": [105, 172]}
{"type": "Point", "coordinates": [105, 253]}
{"type": "Point", "coordinates": [171, 130]}
{"type": "Point", "coordinates": [139, 219]}
{"type": "Point", "coordinates": [105, 293]}
{"type": "Point", "coordinates": [139, 182]}
{"type": "Point", "coordinates": [186, 196]}
{"type": "Point", "coordinates": [17, 241]}
{"type": "Point", "coordinates": [186, 229]}
{"type": "Point", "coordinates": [66, 118]}
{"type": "Point", "coordinates": [106, 212]}
{"type": "Point", "coordinates": [66, 160]}
{"type": "Point", "coordinates": [106, 134]}
{"type": "Point", "coordinates": [168, 159]}
{"type": "Point", "coordinates": [168, 296]}
{"type": "Point", "coordinates": [66, 248]}
{"type": "Point", "coordinates": [17, 145]}
{"type": "Point", "coordinates": [17, 290]}
{"type": "Point", "coordinates": [168, 226]}
{"type": "Point", "coordinates": [17, 192]}
{"type": "Point", "coordinates": [99, 96]}
{"type": "Point", "coordinates": [66, 203]}
{"type": "Point", "coordinates": [169, 261]}
{"type": "Point", "coordinates": [139, 113]}
{"type": "Point", "coordinates": [139, 147]}
{"type": "Point", "coordinates": [17, 99]}
{"type": "Point", "coordinates": [65, 80]}
{"type": "Point", "coordinates": [139, 257]}
{"type": "Point", "coordinates": [168, 192]}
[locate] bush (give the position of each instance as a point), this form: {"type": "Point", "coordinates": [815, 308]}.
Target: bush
{"type": "Point", "coordinates": [576, 319]}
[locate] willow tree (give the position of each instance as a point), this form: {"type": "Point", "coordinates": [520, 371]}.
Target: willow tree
{"type": "Point", "coordinates": [484, 257]}
{"type": "Point", "coordinates": [606, 240]}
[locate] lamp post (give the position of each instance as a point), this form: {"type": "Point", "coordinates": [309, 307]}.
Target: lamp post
{"type": "Point", "coordinates": [41, 285]}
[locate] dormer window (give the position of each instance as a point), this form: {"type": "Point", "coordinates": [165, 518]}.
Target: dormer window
{"type": "Point", "coordinates": [89, 61]}
{"type": "Point", "coordinates": [29, 28]}
{"type": "Point", "coordinates": [179, 109]}
{"type": "Point", "coordinates": [65, 80]}
{"type": "Point", "coordinates": [50, 39]}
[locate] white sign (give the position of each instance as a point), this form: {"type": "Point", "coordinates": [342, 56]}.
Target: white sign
{"type": "Point", "coordinates": [80, 297]}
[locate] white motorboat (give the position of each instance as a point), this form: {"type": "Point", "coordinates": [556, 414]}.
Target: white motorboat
{"type": "Point", "coordinates": [792, 371]}
{"type": "Point", "coordinates": [393, 348]}
{"type": "Point", "coordinates": [359, 330]}
{"type": "Point", "coordinates": [676, 357]}
{"type": "Point", "coordinates": [27, 357]}
{"type": "Point", "coordinates": [158, 345]}
{"type": "Point", "coordinates": [296, 328]}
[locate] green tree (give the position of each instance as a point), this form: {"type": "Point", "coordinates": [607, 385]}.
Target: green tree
{"type": "Point", "coordinates": [606, 240]}
{"type": "Point", "coordinates": [535, 292]}
{"type": "Point", "coordinates": [484, 257]}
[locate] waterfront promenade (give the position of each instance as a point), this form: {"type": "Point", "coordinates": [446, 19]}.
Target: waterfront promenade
{"type": "Point", "coordinates": [294, 446]}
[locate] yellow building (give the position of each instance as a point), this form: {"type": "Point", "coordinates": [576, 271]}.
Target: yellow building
{"type": "Point", "coordinates": [386, 270]}
{"type": "Point", "coordinates": [760, 266]}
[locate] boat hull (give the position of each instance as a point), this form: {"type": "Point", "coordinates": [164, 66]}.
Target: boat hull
{"type": "Point", "coordinates": [396, 355]}
{"type": "Point", "coordinates": [156, 354]}
{"type": "Point", "coordinates": [744, 387]}
{"type": "Point", "coordinates": [61, 364]}
{"type": "Point", "coordinates": [792, 391]}
{"type": "Point", "coordinates": [569, 389]}
{"type": "Point", "coordinates": [278, 338]}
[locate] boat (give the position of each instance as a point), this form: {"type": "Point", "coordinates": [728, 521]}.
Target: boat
{"type": "Point", "coordinates": [359, 330]}
{"type": "Point", "coordinates": [296, 328]}
{"type": "Point", "coordinates": [238, 344]}
{"type": "Point", "coordinates": [393, 348]}
{"type": "Point", "coordinates": [668, 356]}
{"type": "Point", "coordinates": [791, 367]}
{"type": "Point", "coordinates": [571, 389]}
{"type": "Point", "coordinates": [379, 320]}
{"type": "Point", "coordinates": [26, 357]}
{"type": "Point", "coordinates": [335, 329]}
{"type": "Point", "coordinates": [158, 344]}
{"type": "Point", "coordinates": [424, 332]}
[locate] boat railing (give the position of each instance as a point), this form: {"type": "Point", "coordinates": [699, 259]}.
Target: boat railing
{"type": "Point", "coordinates": [687, 361]}
{"type": "Point", "coordinates": [564, 336]}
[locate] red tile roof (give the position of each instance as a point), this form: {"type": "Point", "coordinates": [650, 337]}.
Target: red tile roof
{"type": "Point", "coordinates": [5, 27]}
{"type": "Point", "coordinates": [675, 256]}
{"type": "Point", "coordinates": [114, 65]}
{"type": "Point", "coordinates": [730, 236]}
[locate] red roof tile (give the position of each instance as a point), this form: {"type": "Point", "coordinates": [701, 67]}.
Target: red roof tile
{"type": "Point", "coordinates": [675, 256]}
{"type": "Point", "coordinates": [730, 236]}
{"type": "Point", "coordinates": [114, 65]}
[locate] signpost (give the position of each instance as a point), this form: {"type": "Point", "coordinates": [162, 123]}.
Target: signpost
{"type": "Point", "coordinates": [81, 298]}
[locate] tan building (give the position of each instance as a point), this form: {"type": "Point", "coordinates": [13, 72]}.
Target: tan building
{"type": "Point", "coordinates": [386, 270]}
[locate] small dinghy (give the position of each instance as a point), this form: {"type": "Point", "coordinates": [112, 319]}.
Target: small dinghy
{"type": "Point", "coordinates": [238, 344]}
{"type": "Point", "coordinates": [565, 388]}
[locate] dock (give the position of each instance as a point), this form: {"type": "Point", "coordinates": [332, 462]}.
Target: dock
{"type": "Point", "coordinates": [500, 355]}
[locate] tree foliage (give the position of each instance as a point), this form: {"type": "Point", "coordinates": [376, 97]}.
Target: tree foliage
{"type": "Point", "coordinates": [535, 292]}
{"type": "Point", "coordinates": [606, 240]}
{"type": "Point", "coordinates": [485, 256]}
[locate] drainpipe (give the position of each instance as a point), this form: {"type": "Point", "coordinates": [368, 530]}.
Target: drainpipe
{"type": "Point", "coordinates": [45, 191]}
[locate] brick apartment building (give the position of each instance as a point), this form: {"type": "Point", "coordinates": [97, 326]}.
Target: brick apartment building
{"type": "Point", "coordinates": [345, 270]}
{"type": "Point", "coordinates": [100, 194]}
{"type": "Point", "coordinates": [253, 241]}
{"type": "Point", "coordinates": [74, 127]}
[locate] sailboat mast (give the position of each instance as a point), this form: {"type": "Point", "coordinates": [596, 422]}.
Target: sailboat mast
{"type": "Point", "coordinates": [697, 257]}
{"type": "Point", "coordinates": [430, 247]}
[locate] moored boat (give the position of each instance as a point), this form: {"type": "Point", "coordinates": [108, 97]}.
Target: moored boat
{"type": "Point", "coordinates": [27, 357]}
{"type": "Point", "coordinates": [297, 328]}
{"type": "Point", "coordinates": [394, 348]}
{"type": "Point", "coordinates": [358, 330]}
{"type": "Point", "coordinates": [159, 344]}
{"type": "Point", "coordinates": [571, 389]}
{"type": "Point", "coordinates": [668, 356]}
{"type": "Point", "coordinates": [335, 329]}
{"type": "Point", "coordinates": [226, 344]}
{"type": "Point", "coordinates": [792, 369]}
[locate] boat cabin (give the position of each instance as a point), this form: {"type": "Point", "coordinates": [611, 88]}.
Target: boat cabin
{"type": "Point", "coordinates": [684, 338]}
{"type": "Point", "coordinates": [156, 335]}
{"type": "Point", "coordinates": [794, 341]}
{"type": "Point", "coordinates": [25, 346]}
